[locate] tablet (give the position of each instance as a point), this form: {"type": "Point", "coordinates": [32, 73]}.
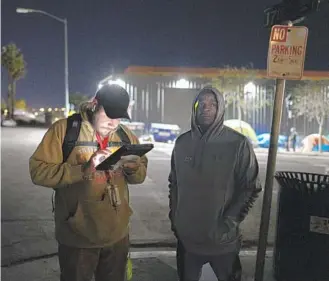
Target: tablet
{"type": "Point", "coordinates": [125, 150]}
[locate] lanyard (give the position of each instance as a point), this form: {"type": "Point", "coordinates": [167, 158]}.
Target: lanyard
{"type": "Point", "coordinates": [102, 143]}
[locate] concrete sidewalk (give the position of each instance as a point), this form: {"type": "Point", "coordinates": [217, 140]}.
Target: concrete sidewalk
{"type": "Point", "coordinates": [147, 266]}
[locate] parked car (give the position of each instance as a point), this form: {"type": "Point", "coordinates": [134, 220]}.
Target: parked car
{"type": "Point", "coordinates": [164, 132]}
{"type": "Point", "coordinates": [8, 123]}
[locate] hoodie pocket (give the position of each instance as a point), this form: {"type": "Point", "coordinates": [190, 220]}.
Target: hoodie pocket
{"type": "Point", "coordinates": [225, 233]}
{"type": "Point", "coordinates": [98, 221]}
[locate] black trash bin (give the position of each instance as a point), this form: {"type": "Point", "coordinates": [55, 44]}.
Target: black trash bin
{"type": "Point", "coordinates": [301, 249]}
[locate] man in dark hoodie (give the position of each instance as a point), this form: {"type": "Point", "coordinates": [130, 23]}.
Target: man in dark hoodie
{"type": "Point", "coordinates": [212, 184]}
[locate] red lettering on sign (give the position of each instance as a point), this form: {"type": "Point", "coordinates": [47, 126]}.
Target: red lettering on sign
{"type": "Point", "coordinates": [287, 50]}
{"type": "Point", "coordinates": [279, 34]}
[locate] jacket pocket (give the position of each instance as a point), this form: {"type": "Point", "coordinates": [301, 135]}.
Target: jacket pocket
{"type": "Point", "coordinates": [98, 221]}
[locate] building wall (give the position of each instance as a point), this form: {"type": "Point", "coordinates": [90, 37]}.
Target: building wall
{"type": "Point", "coordinates": [160, 99]}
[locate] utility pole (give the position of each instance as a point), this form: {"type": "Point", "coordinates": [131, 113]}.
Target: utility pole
{"type": "Point", "coordinates": [268, 191]}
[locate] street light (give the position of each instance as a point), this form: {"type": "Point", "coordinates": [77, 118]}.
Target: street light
{"type": "Point", "coordinates": [250, 89]}
{"type": "Point", "coordinates": [63, 21]}
{"type": "Point", "coordinates": [182, 84]}
{"type": "Point", "coordinates": [250, 94]}
{"type": "Point", "coordinates": [23, 11]}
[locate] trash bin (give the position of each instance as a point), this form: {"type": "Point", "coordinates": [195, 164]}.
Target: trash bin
{"type": "Point", "coordinates": [301, 249]}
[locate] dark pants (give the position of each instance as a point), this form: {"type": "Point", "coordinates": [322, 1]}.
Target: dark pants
{"type": "Point", "coordinates": [293, 144]}
{"type": "Point", "coordinates": [106, 263]}
{"type": "Point", "coordinates": [227, 267]}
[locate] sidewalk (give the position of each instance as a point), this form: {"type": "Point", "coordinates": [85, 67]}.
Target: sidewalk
{"type": "Point", "coordinates": [147, 266]}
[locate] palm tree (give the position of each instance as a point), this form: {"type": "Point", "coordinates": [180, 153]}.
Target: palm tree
{"type": "Point", "coordinates": [12, 60]}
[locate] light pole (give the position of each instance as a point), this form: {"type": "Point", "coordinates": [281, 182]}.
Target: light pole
{"type": "Point", "coordinates": [64, 21]}
{"type": "Point", "coordinates": [250, 93]}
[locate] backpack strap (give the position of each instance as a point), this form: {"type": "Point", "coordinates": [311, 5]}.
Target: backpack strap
{"type": "Point", "coordinates": [71, 135]}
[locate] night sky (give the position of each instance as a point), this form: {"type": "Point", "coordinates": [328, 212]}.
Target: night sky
{"type": "Point", "coordinates": [196, 33]}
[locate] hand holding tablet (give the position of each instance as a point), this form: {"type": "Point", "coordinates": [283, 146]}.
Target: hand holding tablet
{"type": "Point", "coordinates": [125, 155]}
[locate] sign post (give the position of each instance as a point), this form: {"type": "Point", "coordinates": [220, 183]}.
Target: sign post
{"type": "Point", "coordinates": [285, 60]}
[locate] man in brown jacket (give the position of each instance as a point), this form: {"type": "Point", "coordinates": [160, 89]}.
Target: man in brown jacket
{"type": "Point", "coordinates": [91, 207]}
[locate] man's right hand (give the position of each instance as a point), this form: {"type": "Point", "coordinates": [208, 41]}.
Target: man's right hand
{"type": "Point", "coordinates": [89, 168]}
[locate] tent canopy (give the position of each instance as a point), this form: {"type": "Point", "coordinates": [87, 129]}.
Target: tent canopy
{"type": "Point", "coordinates": [243, 128]}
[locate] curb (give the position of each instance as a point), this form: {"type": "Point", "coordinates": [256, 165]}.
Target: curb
{"type": "Point", "coordinates": [155, 254]}
{"type": "Point", "coordinates": [248, 248]}
{"type": "Point", "coordinates": [134, 254]}
{"type": "Point", "coordinates": [138, 244]}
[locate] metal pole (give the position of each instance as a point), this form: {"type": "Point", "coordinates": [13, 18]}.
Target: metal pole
{"type": "Point", "coordinates": [270, 170]}
{"type": "Point", "coordinates": [254, 108]}
{"type": "Point", "coordinates": [66, 70]}
{"type": "Point", "coordinates": [67, 99]}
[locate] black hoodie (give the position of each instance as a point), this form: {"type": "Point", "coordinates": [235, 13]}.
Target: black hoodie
{"type": "Point", "coordinates": [212, 184]}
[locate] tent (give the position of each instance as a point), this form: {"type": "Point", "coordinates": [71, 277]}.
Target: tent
{"type": "Point", "coordinates": [311, 143]}
{"type": "Point", "coordinates": [264, 140]}
{"type": "Point", "coordinates": [243, 128]}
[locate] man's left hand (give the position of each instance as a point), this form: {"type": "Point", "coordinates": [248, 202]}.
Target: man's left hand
{"type": "Point", "coordinates": [131, 164]}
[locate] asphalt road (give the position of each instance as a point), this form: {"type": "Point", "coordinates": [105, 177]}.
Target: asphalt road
{"type": "Point", "coordinates": [27, 219]}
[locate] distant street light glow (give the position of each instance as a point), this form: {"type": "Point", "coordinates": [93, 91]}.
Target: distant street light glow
{"type": "Point", "coordinates": [182, 84]}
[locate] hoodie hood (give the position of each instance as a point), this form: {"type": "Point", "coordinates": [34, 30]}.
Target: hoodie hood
{"type": "Point", "coordinates": [199, 137]}
{"type": "Point", "coordinates": [218, 123]}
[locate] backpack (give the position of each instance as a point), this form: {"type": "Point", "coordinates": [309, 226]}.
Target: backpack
{"type": "Point", "coordinates": [72, 134]}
